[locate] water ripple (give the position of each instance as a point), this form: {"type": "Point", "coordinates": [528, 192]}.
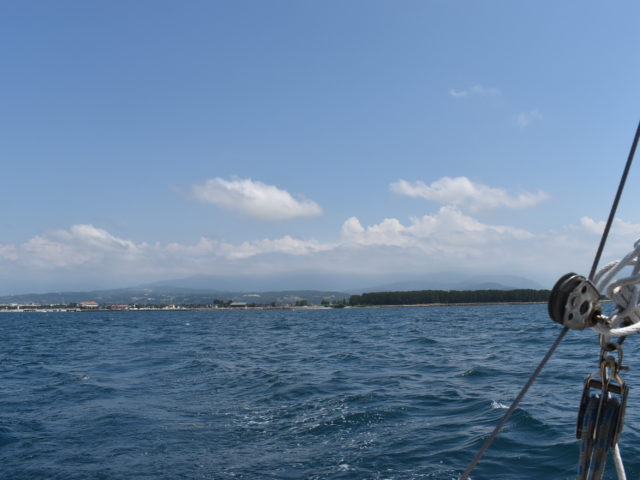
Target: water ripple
{"type": "Point", "coordinates": [397, 393]}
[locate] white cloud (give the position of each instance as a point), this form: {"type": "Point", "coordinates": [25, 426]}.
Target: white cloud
{"type": "Point", "coordinates": [449, 229]}
{"type": "Point", "coordinates": [591, 225]}
{"type": "Point", "coordinates": [621, 226]}
{"type": "Point", "coordinates": [86, 246]}
{"type": "Point", "coordinates": [287, 245]}
{"type": "Point", "coordinates": [478, 90]}
{"type": "Point", "coordinates": [524, 119]}
{"type": "Point", "coordinates": [8, 252]}
{"type": "Point", "coordinates": [84, 252]}
{"type": "Point", "coordinates": [462, 192]}
{"type": "Point", "coordinates": [254, 199]}
{"type": "Point", "coordinates": [447, 240]}
{"type": "Point", "coordinates": [79, 245]}
{"type": "Point", "coordinates": [389, 232]}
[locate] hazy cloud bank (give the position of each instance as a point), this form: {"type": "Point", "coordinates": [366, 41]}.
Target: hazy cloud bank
{"type": "Point", "coordinates": [446, 240]}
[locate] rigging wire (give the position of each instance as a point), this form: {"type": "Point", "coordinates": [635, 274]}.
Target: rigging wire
{"type": "Point", "coordinates": [614, 207]}
{"type": "Point", "coordinates": [513, 406]}
{"type": "Point", "coordinates": [552, 349]}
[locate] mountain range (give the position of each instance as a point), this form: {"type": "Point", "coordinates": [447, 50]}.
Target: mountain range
{"type": "Point", "coordinates": [204, 290]}
{"type": "Point", "coordinates": [451, 281]}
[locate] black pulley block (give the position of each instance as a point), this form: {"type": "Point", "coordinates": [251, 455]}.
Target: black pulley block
{"type": "Point", "coordinates": [574, 302]}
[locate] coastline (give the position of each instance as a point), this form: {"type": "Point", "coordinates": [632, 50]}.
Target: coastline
{"type": "Point", "coordinates": [32, 309]}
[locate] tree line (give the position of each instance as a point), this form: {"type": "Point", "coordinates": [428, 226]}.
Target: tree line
{"type": "Point", "coordinates": [449, 296]}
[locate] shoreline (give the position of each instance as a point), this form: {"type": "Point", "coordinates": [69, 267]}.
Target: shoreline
{"type": "Point", "coordinates": [205, 309]}
{"type": "Point", "coordinates": [479, 304]}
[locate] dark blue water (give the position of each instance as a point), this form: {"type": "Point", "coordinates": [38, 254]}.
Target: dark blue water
{"type": "Point", "coordinates": [398, 393]}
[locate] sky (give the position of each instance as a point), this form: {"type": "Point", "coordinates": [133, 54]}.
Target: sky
{"type": "Point", "coordinates": [326, 144]}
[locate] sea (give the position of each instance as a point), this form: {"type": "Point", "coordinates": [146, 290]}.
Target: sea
{"type": "Point", "coordinates": [354, 393]}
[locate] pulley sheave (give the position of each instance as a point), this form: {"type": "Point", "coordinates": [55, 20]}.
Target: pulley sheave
{"type": "Point", "coordinates": [574, 302]}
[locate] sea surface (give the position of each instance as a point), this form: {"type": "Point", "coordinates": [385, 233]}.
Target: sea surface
{"type": "Point", "coordinates": [376, 393]}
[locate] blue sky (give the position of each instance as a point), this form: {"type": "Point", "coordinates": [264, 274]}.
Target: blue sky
{"type": "Point", "coordinates": [366, 140]}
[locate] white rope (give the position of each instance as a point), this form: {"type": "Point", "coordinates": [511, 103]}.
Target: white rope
{"type": "Point", "coordinates": [624, 292]}
{"type": "Point", "coordinates": [617, 460]}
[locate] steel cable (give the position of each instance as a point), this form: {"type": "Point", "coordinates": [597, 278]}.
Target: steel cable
{"type": "Point", "coordinates": [534, 375]}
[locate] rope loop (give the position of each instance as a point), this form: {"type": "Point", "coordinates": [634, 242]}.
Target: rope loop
{"type": "Point", "coordinates": [624, 291]}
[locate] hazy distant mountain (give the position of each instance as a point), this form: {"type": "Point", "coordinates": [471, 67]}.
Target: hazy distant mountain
{"type": "Point", "coordinates": [438, 281]}
{"type": "Point", "coordinates": [511, 282]}
{"type": "Point", "coordinates": [285, 282]}
{"type": "Point", "coordinates": [451, 281]}
{"type": "Point", "coordinates": [195, 282]}
{"type": "Point", "coordinates": [204, 289]}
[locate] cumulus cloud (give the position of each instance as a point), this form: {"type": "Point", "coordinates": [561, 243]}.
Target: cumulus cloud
{"type": "Point", "coordinates": [79, 245]}
{"type": "Point", "coordinates": [449, 229]}
{"type": "Point", "coordinates": [524, 119]}
{"type": "Point", "coordinates": [389, 232]}
{"type": "Point", "coordinates": [254, 199]}
{"type": "Point", "coordinates": [87, 246]}
{"type": "Point", "coordinates": [476, 90]}
{"type": "Point", "coordinates": [462, 192]}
